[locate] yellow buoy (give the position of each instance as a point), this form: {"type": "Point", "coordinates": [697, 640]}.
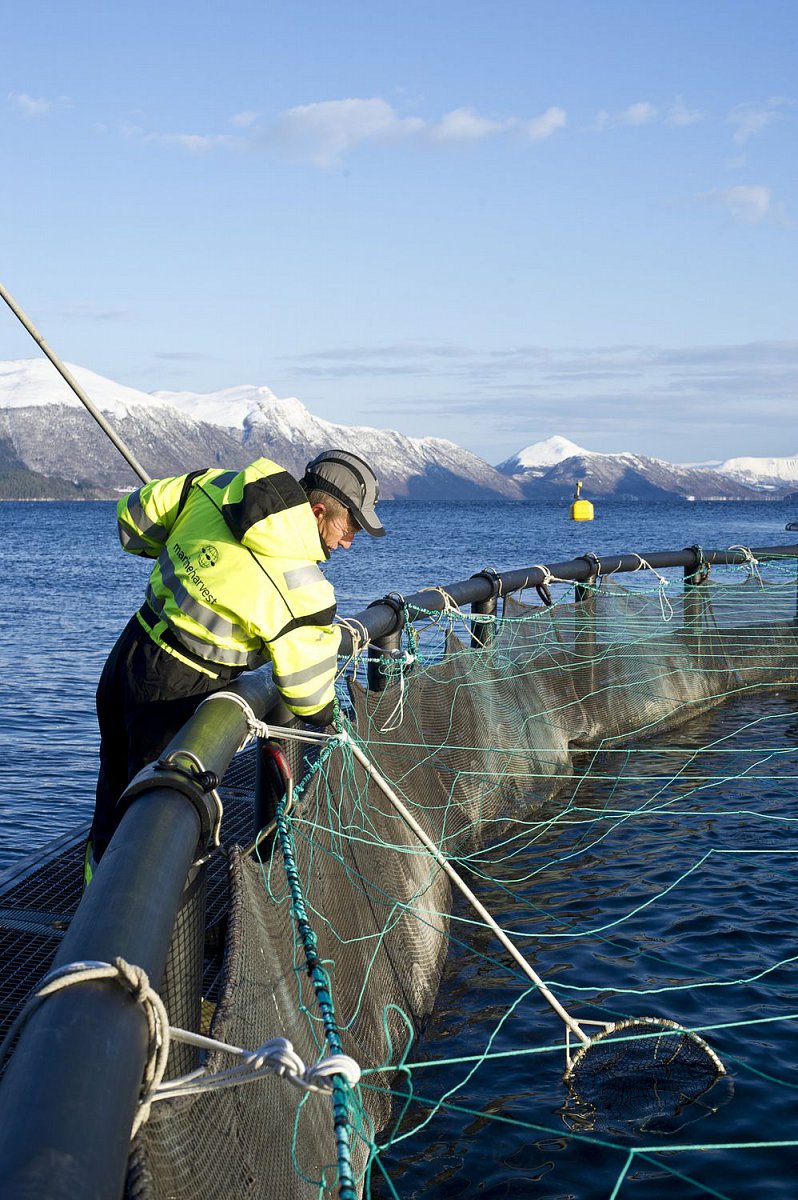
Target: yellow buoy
{"type": "Point", "coordinates": [581, 510]}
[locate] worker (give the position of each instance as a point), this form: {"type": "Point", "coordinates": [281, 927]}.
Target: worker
{"type": "Point", "coordinates": [236, 584]}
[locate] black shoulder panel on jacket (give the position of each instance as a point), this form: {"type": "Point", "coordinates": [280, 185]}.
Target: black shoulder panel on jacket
{"type": "Point", "coordinates": [323, 617]}
{"type": "Point", "coordinates": [187, 488]}
{"type": "Point", "coordinates": [262, 498]}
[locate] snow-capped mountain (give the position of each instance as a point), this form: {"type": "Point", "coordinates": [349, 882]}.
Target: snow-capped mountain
{"type": "Point", "coordinates": [769, 474]}
{"type": "Point", "coordinates": [45, 430]}
{"type": "Point", "coordinates": [551, 468]}
{"type": "Point", "coordinates": [538, 457]}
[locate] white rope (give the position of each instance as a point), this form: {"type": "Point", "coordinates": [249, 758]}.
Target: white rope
{"type": "Point", "coordinates": [450, 608]}
{"type": "Point", "coordinates": [260, 729]}
{"type": "Point", "coordinates": [664, 603]}
{"type": "Point", "coordinates": [396, 716]}
{"type": "Point", "coordinates": [547, 575]}
{"type": "Point", "coordinates": [750, 562]}
{"type": "Point", "coordinates": [242, 704]}
{"type": "Point", "coordinates": [134, 980]}
{"type": "Point", "coordinates": [548, 578]}
{"type": "Point", "coordinates": [360, 640]}
{"type": "Point", "coordinates": [275, 1057]}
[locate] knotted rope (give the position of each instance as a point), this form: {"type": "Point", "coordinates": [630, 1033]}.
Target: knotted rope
{"type": "Point", "coordinates": [751, 563]}
{"type": "Point", "coordinates": [276, 1056]}
{"type": "Point", "coordinates": [665, 605]}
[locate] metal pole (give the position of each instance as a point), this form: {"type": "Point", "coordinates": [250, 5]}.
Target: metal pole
{"type": "Point", "coordinates": [382, 651]}
{"type": "Point", "coordinates": [695, 577]}
{"type": "Point", "coordinates": [386, 646]}
{"type": "Point", "coordinates": [460, 883]}
{"type": "Point", "coordinates": [73, 383]}
{"type": "Point", "coordinates": [483, 632]}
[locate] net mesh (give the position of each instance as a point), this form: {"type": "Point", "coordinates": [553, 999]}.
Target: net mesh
{"type": "Point", "coordinates": [493, 750]}
{"type": "Point", "coordinates": [647, 1071]}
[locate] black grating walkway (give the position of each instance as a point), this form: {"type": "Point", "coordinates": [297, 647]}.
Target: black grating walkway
{"type": "Point", "coordinates": [39, 895]}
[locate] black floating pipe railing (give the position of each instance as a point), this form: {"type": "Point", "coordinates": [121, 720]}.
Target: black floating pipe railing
{"type": "Point", "coordinates": [381, 618]}
{"type": "Point", "coordinates": [70, 1091]}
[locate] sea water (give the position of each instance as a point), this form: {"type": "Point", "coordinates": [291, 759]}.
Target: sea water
{"type": "Point", "coordinates": [506, 1125]}
{"type": "Point", "coordinates": [68, 590]}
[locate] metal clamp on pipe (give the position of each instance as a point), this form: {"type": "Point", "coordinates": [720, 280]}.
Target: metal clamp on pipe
{"type": "Point", "coordinates": [194, 782]}
{"type": "Point", "coordinates": [593, 561]}
{"type": "Point", "coordinates": [700, 572]}
{"type": "Point", "coordinates": [396, 602]}
{"type": "Point", "coordinates": [482, 634]}
{"type": "Point", "coordinates": [388, 643]}
{"type": "Point", "coordinates": [493, 578]}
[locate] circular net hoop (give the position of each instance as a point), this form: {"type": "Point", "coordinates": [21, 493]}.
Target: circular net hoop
{"type": "Point", "coordinates": [645, 1066]}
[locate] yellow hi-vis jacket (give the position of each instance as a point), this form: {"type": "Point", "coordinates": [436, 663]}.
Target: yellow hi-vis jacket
{"type": "Point", "coordinates": [237, 581]}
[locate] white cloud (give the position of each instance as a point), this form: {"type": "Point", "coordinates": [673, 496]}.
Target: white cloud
{"type": "Point", "coordinates": [464, 125]}
{"type": "Point", "coordinates": [29, 106]}
{"type": "Point", "coordinates": [750, 119]}
{"type": "Point", "coordinates": [324, 131]}
{"type": "Point", "coordinates": [192, 143]}
{"type": "Point", "coordinates": [746, 202]}
{"type": "Point", "coordinates": [678, 114]}
{"type": "Point", "coordinates": [641, 113]}
{"type": "Point", "coordinates": [545, 125]}
{"type": "Point", "coordinates": [195, 143]}
{"type": "Point", "coordinates": [243, 119]}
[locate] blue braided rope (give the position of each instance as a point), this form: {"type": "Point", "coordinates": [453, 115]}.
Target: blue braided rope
{"type": "Point", "coordinates": [321, 986]}
{"type": "Point", "coordinates": [314, 768]}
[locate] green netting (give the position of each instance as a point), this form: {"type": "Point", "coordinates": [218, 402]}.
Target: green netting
{"type": "Point", "coordinates": [494, 751]}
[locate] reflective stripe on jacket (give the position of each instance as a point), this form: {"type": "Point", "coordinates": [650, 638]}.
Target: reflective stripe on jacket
{"type": "Point", "coordinates": [237, 581]}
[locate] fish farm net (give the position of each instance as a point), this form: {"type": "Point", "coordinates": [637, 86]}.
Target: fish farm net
{"type": "Point", "coordinates": [522, 759]}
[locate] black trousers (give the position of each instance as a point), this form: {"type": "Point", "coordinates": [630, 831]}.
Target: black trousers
{"type": "Point", "coordinates": [144, 696]}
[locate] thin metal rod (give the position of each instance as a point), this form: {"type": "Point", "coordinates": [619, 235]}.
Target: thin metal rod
{"type": "Point", "coordinates": [73, 383]}
{"type": "Point", "coordinates": [460, 883]}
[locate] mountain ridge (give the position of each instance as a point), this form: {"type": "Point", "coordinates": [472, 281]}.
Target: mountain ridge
{"type": "Point", "coordinates": [550, 468]}
{"type": "Point", "coordinates": [172, 432]}
{"type": "Point", "coordinates": [238, 425]}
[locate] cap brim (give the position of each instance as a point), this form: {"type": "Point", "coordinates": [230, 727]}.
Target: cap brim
{"type": "Point", "coordinates": [369, 521]}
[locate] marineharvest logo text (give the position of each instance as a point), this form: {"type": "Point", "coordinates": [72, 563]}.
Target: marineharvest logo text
{"type": "Point", "coordinates": [192, 572]}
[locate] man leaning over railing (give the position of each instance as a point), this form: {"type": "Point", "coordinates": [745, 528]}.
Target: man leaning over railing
{"type": "Point", "coordinates": [236, 584]}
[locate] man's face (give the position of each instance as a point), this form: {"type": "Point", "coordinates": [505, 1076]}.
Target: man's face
{"type": "Point", "coordinates": [335, 531]}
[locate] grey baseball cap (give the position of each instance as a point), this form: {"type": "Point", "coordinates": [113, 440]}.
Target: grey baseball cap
{"type": "Point", "coordinates": [350, 480]}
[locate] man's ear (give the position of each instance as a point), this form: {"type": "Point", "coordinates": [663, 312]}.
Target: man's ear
{"type": "Point", "coordinates": [318, 510]}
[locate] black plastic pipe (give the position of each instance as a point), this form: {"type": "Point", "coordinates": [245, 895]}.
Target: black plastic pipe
{"type": "Point", "coordinates": [381, 619]}
{"type": "Point", "coordinates": [71, 1088]}
{"type": "Point", "coordinates": [70, 1091]}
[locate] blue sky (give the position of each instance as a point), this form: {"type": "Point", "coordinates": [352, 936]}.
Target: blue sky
{"type": "Point", "coordinates": [487, 221]}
